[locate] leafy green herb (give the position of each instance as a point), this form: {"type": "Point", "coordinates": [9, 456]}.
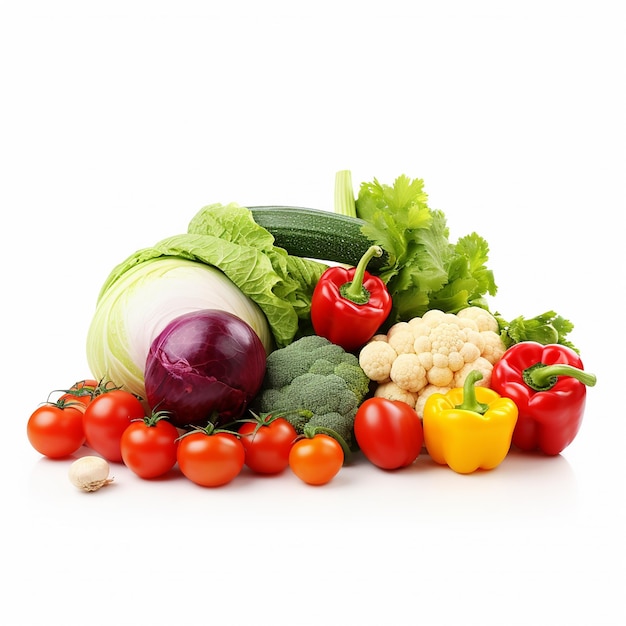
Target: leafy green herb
{"type": "Point", "coordinates": [547, 328]}
{"type": "Point", "coordinates": [426, 270]}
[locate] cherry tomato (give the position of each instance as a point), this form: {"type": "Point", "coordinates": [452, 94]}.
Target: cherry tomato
{"type": "Point", "coordinates": [107, 417]}
{"type": "Point", "coordinates": [267, 441]}
{"type": "Point", "coordinates": [56, 430]}
{"type": "Point", "coordinates": [81, 392]}
{"type": "Point", "coordinates": [316, 460]}
{"type": "Point", "coordinates": [149, 446]}
{"type": "Point", "coordinates": [87, 383]}
{"type": "Point", "coordinates": [389, 433]}
{"type": "Point", "coordinates": [210, 459]}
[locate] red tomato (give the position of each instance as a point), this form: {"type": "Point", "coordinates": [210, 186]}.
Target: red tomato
{"type": "Point", "coordinates": [389, 433]}
{"type": "Point", "coordinates": [80, 394]}
{"type": "Point", "coordinates": [56, 430]}
{"type": "Point", "coordinates": [267, 442]}
{"type": "Point", "coordinates": [87, 383]}
{"type": "Point", "coordinates": [107, 417]}
{"type": "Point", "coordinates": [316, 460]}
{"type": "Point", "coordinates": [149, 447]}
{"type": "Point", "coordinates": [210, 459]}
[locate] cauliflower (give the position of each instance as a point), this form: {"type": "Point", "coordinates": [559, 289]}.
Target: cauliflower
{"type": "Point", "coordinates": [391, 391]}
{"type": "Point", "coordinates": [431, 353]}
{"type": "Point", "coordinates": [379, 357]}
{"type": "Point", "coordinates": [494, 346]}
{"type": "Point", "coordinates": [428, 391]}
{"type": "Point", "coordinates": [408, 372]}
{"type": "Point", "coordinates": [483, 319]}
{"type": "Point", "coordinates": [489, 330]}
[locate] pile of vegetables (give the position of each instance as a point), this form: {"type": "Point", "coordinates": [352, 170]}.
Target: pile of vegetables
{"type": "Point", "coordinates": [278, 337]}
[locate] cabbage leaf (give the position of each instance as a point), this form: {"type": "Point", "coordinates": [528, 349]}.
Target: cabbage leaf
{"type": "Point", "coordinates": [227, 238]}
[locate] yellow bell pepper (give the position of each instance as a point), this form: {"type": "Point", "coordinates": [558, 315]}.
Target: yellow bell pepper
{"type": "Point", "coordinates": [469, 428]}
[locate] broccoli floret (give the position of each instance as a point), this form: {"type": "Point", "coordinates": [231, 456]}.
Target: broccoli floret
{"type": "Point", "coordinates": [352, 373]}
{"type": "Point", "coordinates": [316, 375]}
{"type": "Point", "coordinates": [301, 357]}
{"type": "Point", "coordinates": [343, 425]}
{"type": "Point", "coordinates": [318, 393]}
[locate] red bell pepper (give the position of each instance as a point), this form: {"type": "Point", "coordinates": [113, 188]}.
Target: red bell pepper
{"type": "Point", "coordinates": [549, 387]}
{"type": "Point", "coordinates": [349, 305]}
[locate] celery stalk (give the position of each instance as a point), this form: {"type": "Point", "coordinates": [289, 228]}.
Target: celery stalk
{"type": "Point", "coordinates": [345, 203]}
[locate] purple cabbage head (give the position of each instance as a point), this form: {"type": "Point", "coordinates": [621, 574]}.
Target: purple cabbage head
{"type": "Point", "coordinates": [204, 366]}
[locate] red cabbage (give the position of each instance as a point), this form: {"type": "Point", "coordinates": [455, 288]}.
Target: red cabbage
{"type": "Point", "coordinates": [204, 366]}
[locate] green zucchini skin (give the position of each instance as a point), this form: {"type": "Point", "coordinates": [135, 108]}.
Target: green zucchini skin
{"type": "Point", "coordinates": [317, 234]}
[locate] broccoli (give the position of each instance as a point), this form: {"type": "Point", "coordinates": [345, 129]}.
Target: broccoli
{"type": "Point", "coordinates": [315, 375]}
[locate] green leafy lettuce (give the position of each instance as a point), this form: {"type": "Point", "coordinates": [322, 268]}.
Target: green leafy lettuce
{"type": "Point", "coordinates": [226, 237]}
{"type": "Point", "coordinates": [425, 270]}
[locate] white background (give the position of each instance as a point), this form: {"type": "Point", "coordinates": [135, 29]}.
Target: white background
{"type": "Point", "coordinates": [120, 120]}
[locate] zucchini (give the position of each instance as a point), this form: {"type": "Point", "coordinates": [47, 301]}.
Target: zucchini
{"type": "Point", "coordinates": [317, 234]}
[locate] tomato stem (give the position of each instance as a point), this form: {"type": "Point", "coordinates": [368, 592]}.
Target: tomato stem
{"type": "Point", "coordinates": [265, 419]}
{"type": "Point", "coordinates": [155, 417]}
{"type": "Point", "coordinates": [310, 432]}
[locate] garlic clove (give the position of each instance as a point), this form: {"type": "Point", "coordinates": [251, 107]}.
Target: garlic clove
{"type": "Point", "coordinates": [89, 473]}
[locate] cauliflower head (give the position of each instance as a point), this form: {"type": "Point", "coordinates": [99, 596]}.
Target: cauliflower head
{"type": "Point", "coordinates": [435, 351]}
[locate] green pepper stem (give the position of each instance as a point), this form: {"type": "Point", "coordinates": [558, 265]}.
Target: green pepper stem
{"type": "Point", "coordinates": [470, 402]}
{"type": "Point", "coordinates": [354, 290]}
{"type": "Point", "coordinates": [541, 377]}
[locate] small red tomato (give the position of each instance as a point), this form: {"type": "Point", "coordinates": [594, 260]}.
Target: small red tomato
{"type": "Point", "coordinates": [149, 446]}
{"type": "Point", "coordinates": [210, 459]}
{"type": "Point", "coordinates": [267, 441]}
{"type": "Point", "coordinates": [107, 417]}
{"type": "Point", "coordinates": [56, 429]}
{"type": "Point", "coordinates": [316, 460]}
{"type": "Point", "coordinates": [81, 393]}
{"type": "Point", "coordinates": [389, 433]}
